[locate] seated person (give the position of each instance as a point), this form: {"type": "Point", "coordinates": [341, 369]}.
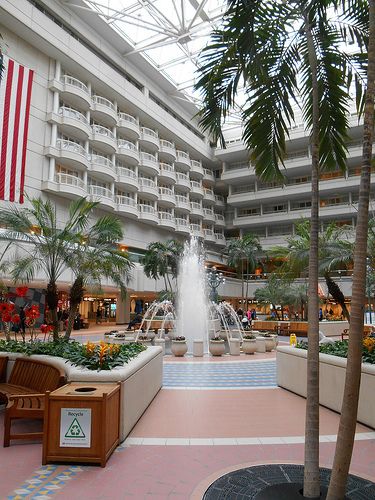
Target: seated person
{"type": "Point", "coordinates": [136, 321]}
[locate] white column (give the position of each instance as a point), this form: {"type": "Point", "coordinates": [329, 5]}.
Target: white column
{"type": "Point", "coordinates": [113, 159]}
{"type": "Point", "coordinates": [85, 178]}
{"type": "Point", "coordinates": [51, 169]}
{"type": "Point", "coordinates": [53, 135]}
{"type": "Point", "coordinates": [114, 131]}
{"type": "Point", "coordinates": [87, 147]}
{"type": "Point", "coordinates": [113, 188]}
{"type": "Point", "coordinates": [56, 102]}
{"type": "Point", "coordinates": [57, 70]}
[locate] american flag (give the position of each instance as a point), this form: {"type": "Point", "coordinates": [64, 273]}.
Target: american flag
{"type": "Point", "coordinates": [15, 97]}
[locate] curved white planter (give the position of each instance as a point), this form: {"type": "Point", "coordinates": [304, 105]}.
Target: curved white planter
{"type": "Point", "coordinates": [270, 343]}
{"type": "Point", "coordinates": [141, 379]}
{"type": "Point", "coordinates": [291, 375]}
{"type": "Point", "coordinates": [217, 347]}
{"type": "Point", "coordinates": [179, 347]}
{"type": "Point", "coordinates": [249, 346]}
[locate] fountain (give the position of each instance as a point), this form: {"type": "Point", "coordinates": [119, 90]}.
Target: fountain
{"type": "Point", "coordinates": [196, 318]}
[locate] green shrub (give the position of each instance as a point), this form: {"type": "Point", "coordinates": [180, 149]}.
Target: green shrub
{"type": "Point", "coordinates": [340, 348]}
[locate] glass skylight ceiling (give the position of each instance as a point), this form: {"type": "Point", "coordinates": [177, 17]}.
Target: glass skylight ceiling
{"type": "Point", "coordinates": [168, 33]}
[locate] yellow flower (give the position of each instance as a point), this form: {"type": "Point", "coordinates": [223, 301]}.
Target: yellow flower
{"type": "Point", "coordinates": [369, 344]}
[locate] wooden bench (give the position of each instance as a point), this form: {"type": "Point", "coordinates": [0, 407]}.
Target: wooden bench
{"type": "Point", "coordinates": [25, 391]}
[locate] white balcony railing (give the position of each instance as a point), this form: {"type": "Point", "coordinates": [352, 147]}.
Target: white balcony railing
{"type": "Point", "coordinates": [183, 155]}
{"type": "Point", "coordinates": [182, 222]}
{"type": "Point", "coordinates": [99, 129]}
{"type": "Point", "coordinates": [128, 118]}
{"type": "Point", "coordinates": [146, 209]}
{"type": "Point", "coordinates": [182, 177]}
{"type": "Point", "coordinates": [123, 143]}
{"type": "Point", "coordinates": [70, 180]}
{"type": "Point", "coordinates": [195, 228]}
{"type": "Point", "coordinates": [74, 147]}
{"type": "Point", "coordinates": [209, 192]}
{"type": "Point", "coordinates": [166, 144]}
{"type": "Point", "coordinates": [196, 184]}
{"type": "Point", "coordinates": [195, 205]}
{"type": "Point", "coordinates": [166, 191]}
{"type": "Point", "coordinates": [182, 199]}
{"type": "Point", "coordinates": [126, 172]}
{"type": "Point", "coordinates": [97, 99]}
{"type": "Point", "coordinates": [100, 191]}
{"type": "Point", "coordinates": [73, 113]}
{"type": "Point", "coordinates": [165, 216]}
{"type": "Point", "coordinates": [71, 80]}
{"type": "Point", "coordinates": [148, 157]}
{"type": "Point", "coordinates": [219, 218]}
{"type": "Point", "coordinates": [196, 163]}
{"type": "Point", "coordinates": [126, 200]}
{"type": "Point", "coordinates": [102, 160]}
{"type": "Point", "coordinates": [208, 211]}
{"type": "Point", "coordinates": [149, 132]}
{"type": "Point", "coordinates": [143, 181]}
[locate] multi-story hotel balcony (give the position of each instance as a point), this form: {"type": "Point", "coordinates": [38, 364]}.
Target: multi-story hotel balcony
{"type": "Point", "coordinates": [148, 188]}
{"type": "Point", "coordinates": [182, 160]}
{"type": "Point", "coordinates": [196, 169]}
{"type": "Point", "coordinates": [127, 206]}
{"type": "Point", "coordinates": [209, 195]}
{"type": "Point", "coordinates": [237, 172]}
{"type": "Point", "coordinates": [208, 215]}
{"type": "Point", "coordinates": [149, 163]}
{"type": "Point", "coordinates": [103, 168]}
{"type": "Point", "coordinates": [102, 138]}
{"type": "Point", "coordinates": [167, 197]}
{"type": "Point", "coordinates": [219, 220]}
{"type": "Point", "coordinates": [71, 122]}
{"type": "Point", "coordinates": [220, 239]}
{"type": "Point", "coordinates": [69, 153]}
{"type": "Point", "coordinates": [148, 214]}
{"type": "Point", "coordinates": [182, 226]}
{"type": "Point", "coordinates": [208, 176]}
{"type": "Point", "coordinates": [197, 189]}
{"type": "Point", "coordinates": [167, 150]}
{"type": "Point", "coordinates": [209, 235]}
{"type": "Point", "coordinates": [166, 219]}
{"type": "Point", "coordinates": [167, 173]}
{"type": "Point", "coordinates": [103, 110]}
{"type": "Point", "coordinates": [73, 91]}
{"type": "Point", "coordinates": [196, 209]}
{"type": "Point", "coordinates": [66, 185]}
{"type": "Point", "coordinates": [149, 139]}
{"type": "Point", "coordinates": [129, 126]}
{"type": "Point", "coordinates": [183, 203]}
{"type": "Point", "coordinates": [127, 151]}
{"type": "Point", "coordinates": [183, 182]}
{"type": "Point", "coordinates": [219, 200]}
{"type": "Point", "coordinates": [196, 230]}
{"type": "Point", "coordinates": [103, 195]}
{"type": "Point", "coordinates": [127, 178]}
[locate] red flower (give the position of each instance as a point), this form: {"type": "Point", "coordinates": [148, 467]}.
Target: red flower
{"type": "Point", "coordinates": [7, 317]}
{"type": "Point", "coordinates": [4, 308]}
{"type": "Point", "coordinates": [32, 312]}
{"type": "Point", "coordinates": [16, 318]}
{"type": "Point", "coordinates": [10, 307]}
{"type": "Point", "coordinates": [21, 291]}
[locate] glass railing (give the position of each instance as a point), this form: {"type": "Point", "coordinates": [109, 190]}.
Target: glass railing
{"type": "Point", "coordinates": [166, 167]}
{"type": "Point", "coordinates": [165, 191]}
{"type": "Point", "coordinates": [182, 199]}
{"type": "Point", "coordinates": [71, 80]}
{"type": "Point", "coordinates": [182, 222]}
{"type": "Point", "coordinates": [165, 216]}
{"type": "Point", "coordinates": [183, 155]}
{"type": "Point", "coordinates": [126, 172]}
{"type": "Point", "coordinates": [101, 160]}
{"type": "Point", "coordinates": [147, 182]}
{"type": "Point", "coordinates": [147, 209]}
{"type": "Point", "coordinates": [73, 113]}
{"type": "Point", "coordinates": [128, 118]}
{"type": "Point", "coordinates": [126, 200]}
{"type": "Point", "coordinates": [182, 177]}
{"type": "Point", "coordinates": [97, 99]}
{"type": "Point", "coordinates": [100, 191]}
{"type": "Point", "coordinates": [148, 157]}
{"type": "Point", "coordinates": [74, 147]}
{"type": "Point", "coordinates": [123, 143]}
{"type": "Point", "coordinates": [69, 180]}
{"type": "Point", "coordinates": [166, 144]}
{"type": "Point", "coordinates": [99, 129]}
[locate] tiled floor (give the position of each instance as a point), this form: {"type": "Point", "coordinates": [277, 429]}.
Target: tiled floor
{"type": "Point", "coordinates": [211, 416]}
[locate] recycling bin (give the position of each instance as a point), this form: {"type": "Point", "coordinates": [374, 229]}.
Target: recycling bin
{"type": "Point", "coordinates": [81, 423]}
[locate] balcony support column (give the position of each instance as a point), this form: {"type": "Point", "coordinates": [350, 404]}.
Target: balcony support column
{"type": "Point", "coordinates": [57, 70]}
{"type": "Point", "coordinates": [56, 101]}
{"type": "Point", "coordinates": [51, 169]}
{"type": "Point", "coordinates": [113, 188]}
{"type": "Point", "coordinates": [85, 178]}
{"type": "Point", "coordinates": [53, 135]}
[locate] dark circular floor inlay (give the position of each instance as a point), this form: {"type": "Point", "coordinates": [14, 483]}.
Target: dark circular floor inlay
{"type": "Point", "coordinates": [248, 483]}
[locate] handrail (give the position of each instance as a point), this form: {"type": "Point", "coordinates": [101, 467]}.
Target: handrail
{"type": "Point", "coordinates": [126, 172]}
{"type": "Point", "coordinates": [102, 160]}
{"type": "Point", "coordinates": [128, 118]}
{"type": "Point", "coordinates": [149, 157]}
{"type": "Point", "coordinates": [123, 143]}
{"type": "Point", "coordinates": [196, 163]}
{"type": "Point", "coordinates": [196, 205]}
{"type": "Point", "coordinates": [100, 191]}
{"type": "Point", "coordinates": [166, 191]}
{"type": "Point", "coordinates": [71, 80]}
{"type": "Point", "coordinates": [70, 180]}
{"type": "Point", "coordinates": [196, 184]}
{"type": "Point", "coordinates": [99, 129]}
{"type": "Point", "coordinates": [73, 113]}
{"type": "Point", "coordinates": [103, 100]}
{"type": "Point", "coordinates": [220, 198]}
{"type": "Point", "coordinates": [146, 209]}
{"type": "Point", "coordinates": [165, 215]}
{"type": "Point", "coordinates": [182, 199]}
{"type": "Point", "coordinates": [182, 154]}
{"type": "Point", "coordinates": [182, 222]}
{"type": "Point", "coordinates": [143, 181]}
{"type": "Point", "coordinates": [167, 144]}
{"type": "Point", "coordinates": [150, 132]}
{"type": "Point", "coordinates": [125, 200]}
{"type": "Point", "coordinates": [208, 232]}
{"type": "Point", "coordinates": [181, 176]}
{"type": "Point", "coordinates": [71, 146]}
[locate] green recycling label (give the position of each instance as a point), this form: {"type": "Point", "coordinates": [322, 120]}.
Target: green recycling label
{"type": "Point", "coordinates": [75, 427]}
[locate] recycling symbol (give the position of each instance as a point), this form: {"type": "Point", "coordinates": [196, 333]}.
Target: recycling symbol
{"type": "Point", "coordinates": [75, 430]}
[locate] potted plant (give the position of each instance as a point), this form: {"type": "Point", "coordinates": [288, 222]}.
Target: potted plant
{"type": "Point", "coordinates": [249, 344]}
{"type": "Point", "coordinates": [143, 339]}
{"type": "Point", "coordinates": [217, 346]}
{"type": "Point", "coordinates": [270, 342]}
{"type": "Point", "coordinates": [179, 346]}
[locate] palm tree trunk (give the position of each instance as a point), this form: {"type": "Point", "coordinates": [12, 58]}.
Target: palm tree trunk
{"type": "Point", "coordinates": [348, 420]}
{"type": "Point", "coordinates": [52, 300]}
{"type": "Point", "coordinates": [242, 283]}
{"type": "Point", "coordinates": [311, 482]}
{"type": "Point", "coordinates": [75, 298]}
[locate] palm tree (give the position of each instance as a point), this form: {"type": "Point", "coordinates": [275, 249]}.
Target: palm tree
{"type": "Point", "coordinates": [281, 50]}
{"type": "Point", "coordinates": [348, 419]}
{"type": "Point", "coordinates": [95, 256]}
{"type": "Point", "coordinates": [161, 260]}
{"type": "Point", "coordinates": [244, 254]}
{"type": "Point", "coordinates": [334, 253]}
{"type": "Point", "coordinates": [298, 298]}
{"type": "Point", "coordinates": [44, 245]}
{"type": "Point", "coordinates": [275, 292]}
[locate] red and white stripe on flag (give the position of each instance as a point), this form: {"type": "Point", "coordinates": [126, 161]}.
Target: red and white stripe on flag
{"type": "Point", "coordinates": [15, 97]}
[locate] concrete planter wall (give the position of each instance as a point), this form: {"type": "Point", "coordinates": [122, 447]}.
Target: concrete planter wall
{"type": "Point", "coordinates": [141, 379]}
{"type": "Point", "coordinates": [291, 375]}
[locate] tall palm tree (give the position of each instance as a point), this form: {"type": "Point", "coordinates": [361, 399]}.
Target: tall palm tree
{"type": "Point", "coordinates": [244, 254]}
{"type": "Point", "coordinates": [161, 260]}
{"type": "Point", "coordinates": [275, 292]}
{"type": "Point", "coordinates": [281, 50]}
{"type": "Point", "coordinates": [348, 419]}
{"type": "Point", "coordinates": [94, 257]}
{"type": "Point", "coordinates": [43, 243]}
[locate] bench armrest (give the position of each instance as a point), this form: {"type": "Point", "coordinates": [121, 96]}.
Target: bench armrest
{"type": "Point", "coordinates": [21, 396]}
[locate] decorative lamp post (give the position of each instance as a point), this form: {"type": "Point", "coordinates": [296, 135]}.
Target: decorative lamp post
{"type": "Point", "coordinates": [214, 280]}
